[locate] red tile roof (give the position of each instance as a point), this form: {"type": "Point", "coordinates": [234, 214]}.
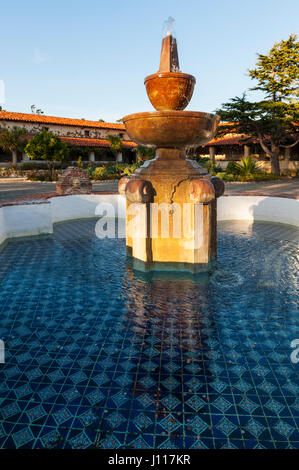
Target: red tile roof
{"type": "Point", "coordinates": [93, 142]}
{"type": "Point", "coordinates": [42, 119]}
{"type": "Point", "coordinates": [229, 140]}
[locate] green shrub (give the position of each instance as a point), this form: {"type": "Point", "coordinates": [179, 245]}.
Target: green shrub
{"type": "Point", "coordinates": [112, 169]}
{"type": "Point", "coordinates": [99, 173]}
{"type": "Point", "coordinates": [41, 175]}
{"type": "Point", "coordinates": [207, 163]}
{"type": "Point", "coordinates": [27, 166]}
{"type": "Point", "coordinates": [247, 167]}
{"type": "Point", "coordinates": [232, 168]}
{"type": "Point", "coordinates": [130, 169]}
{"type": "Point", "coordinates": [265, 177]}
{"type": "Point", "coordinates": [261, 176]}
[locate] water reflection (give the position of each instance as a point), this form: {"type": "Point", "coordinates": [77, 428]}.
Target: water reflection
{"type": "Point", "coordinates": [173, 326]}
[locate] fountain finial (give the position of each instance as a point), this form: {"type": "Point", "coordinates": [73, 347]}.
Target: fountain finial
{"type": "Point", "coordinates": [169, 88]}
{"type": "Point", "coordinates": [169, 59]}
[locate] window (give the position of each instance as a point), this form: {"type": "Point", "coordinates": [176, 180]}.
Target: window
{"type": "Point", "coordinates": [86, 133]}
{"type": "Point", "coordinates": [121, 135]}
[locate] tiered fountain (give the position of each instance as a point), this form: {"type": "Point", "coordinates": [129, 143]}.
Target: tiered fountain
{"type": "Point", "coordinates": [171, 182]}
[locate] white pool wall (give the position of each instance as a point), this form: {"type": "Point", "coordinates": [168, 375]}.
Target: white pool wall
{"type": "Point", "coordinates": [35, 219]}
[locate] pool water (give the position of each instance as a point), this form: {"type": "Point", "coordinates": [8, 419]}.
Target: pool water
{"type": "Point", "coordinates": [98, 355]}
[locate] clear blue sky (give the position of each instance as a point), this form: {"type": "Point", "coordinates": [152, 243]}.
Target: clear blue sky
{"type": "Point", "coordinates": [88, 59]}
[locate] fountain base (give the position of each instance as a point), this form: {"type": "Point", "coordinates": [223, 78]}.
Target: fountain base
{"type": "Point", "coordinates": [171, 214]}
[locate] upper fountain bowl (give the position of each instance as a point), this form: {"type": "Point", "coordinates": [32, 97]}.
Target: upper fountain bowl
{"type": "Point", "coordinates": [169, 90]}
{"type": "Point", "coordinates": [171, 129]}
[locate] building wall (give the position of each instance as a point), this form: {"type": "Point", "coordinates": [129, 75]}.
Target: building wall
{"type": "Point", "coordinates": [286, 166]}
{"type": "Point", "coordinates": [65, 130]}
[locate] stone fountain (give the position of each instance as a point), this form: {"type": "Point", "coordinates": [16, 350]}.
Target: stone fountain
{"type": "Point", "coordinates": [171, 200]}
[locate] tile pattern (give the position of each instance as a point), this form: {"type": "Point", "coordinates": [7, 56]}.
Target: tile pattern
{"type": "Point", "coordinates": [98, 356]}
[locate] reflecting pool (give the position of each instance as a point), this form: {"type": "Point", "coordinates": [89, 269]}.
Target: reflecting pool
{"type": "Point", "coordinates": [97, 355]}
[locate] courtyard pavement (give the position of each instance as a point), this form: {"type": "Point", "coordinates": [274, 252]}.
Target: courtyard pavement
{"type": "Point", "coordinates": [13, 189]}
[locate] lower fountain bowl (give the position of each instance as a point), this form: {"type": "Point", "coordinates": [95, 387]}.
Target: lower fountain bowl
{"type": "Point", "coordinates": [171, 129]}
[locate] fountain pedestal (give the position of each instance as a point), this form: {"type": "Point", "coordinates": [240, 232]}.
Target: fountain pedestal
{"type": "Point", "coordinates": [171, 208]}
{"type": "Point", "coordinates": [170, 217]}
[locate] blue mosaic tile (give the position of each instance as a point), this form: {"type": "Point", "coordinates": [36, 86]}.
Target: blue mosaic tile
{"type": "Point", "coordinates": [12, 371]}
{"type": "Point", "coordinates": [255, 427]}
{"type": "Point", "coordinates": [2, 432]}
{"type": "Point", "coordinates": [267, 387]}
{"type": "Point", "coordinates": [71, 394]}
{"type": "Point", "coordinates": [47, 393]}
{"type": "Point", "coordinates": [172, 367]}
{"type": "Point", "coordinates": [100, 379]}
{"type": "Point", "coordinates": [139, 443]}
{"type": "Point", "coordinates": [238, 370]}
{"type": "Point", "coordinates": [229, 445]}
{"type": "Point", "coordinates": [198, 444]}
{"type": "Point", "coordinates": [291, 387]}
{"type": "Point", "coordinates": [205, 363]}
{"type": "Point", "coordinates": [34, 374]}
{"type": "Point", "coordinates": [124, 380]}
{"type": "Point", "coordinates": [170, 383]}
{"type": "Point", "coordinates": [284, 371]}
{"type": "Point", "coordinates": [36, 413]}
{"type": "Point", "coordinates": [284, 428]}
{"type": "Point", "coordinates": [110, 442]}
{"type": "Point", "coordinates": [10, 410]}
{"type": "Point", "coordinates": [216, 369]}
{"type": "Point", "coordinates": [195, 403]}
{"type": "Point", "coordinates": [88, 418]}
{"type": "Point", "coordinates": [142, 421]}
{"type": "Point", "coordinates": [275, 406]}
{"type": "Point", "coordinates": [56, 375]}
{"type": "Point", "coordinates": [222, 404]}
{"type": "Point", "coordinates": [226, 426]}
{"type": "Point", "coordinates": [23, 437]}
{"type": "Point", "coordinates": [170, 401]}
{"type": "Point", "coordinates": [218, 385]}
{"type": "Point", "coordinates": [295, 405]}
{"type": "Point", "coordinates": [147, 382]}
{"type": "Point", "coordinates": [170, 423]}
{"type": "Point", "coordinates": [168, 444]}
{"type": "Point", "coordinates": [95, 397]}
{"type": "Point", "coordinates": [115, 419]}
{"type": "Point", "coordinates": [78, 377]}
{"type": "Point", "coordinates": [242, 385]}
{"type": "Point", "coordinates": [23, 391]}
{"type": "Point", "coordinates": [62, 415]}
{"type": "Point", "coordinates": [51, 440]}
{"type": "Point", "coordinates": [197, 425]}
{"type": "Point", "coordinates": [194, 384]}
{"type": "Point", "coordinates": [261, 370]}
{"type": "Point", "coordinates": [145, 400]}
{"type": "Point", "coordinates": [248, 405]}
{"type": "Point", "coordinates": [119, 398]}
{"type": "Point", "coordinates": [82, 441]}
